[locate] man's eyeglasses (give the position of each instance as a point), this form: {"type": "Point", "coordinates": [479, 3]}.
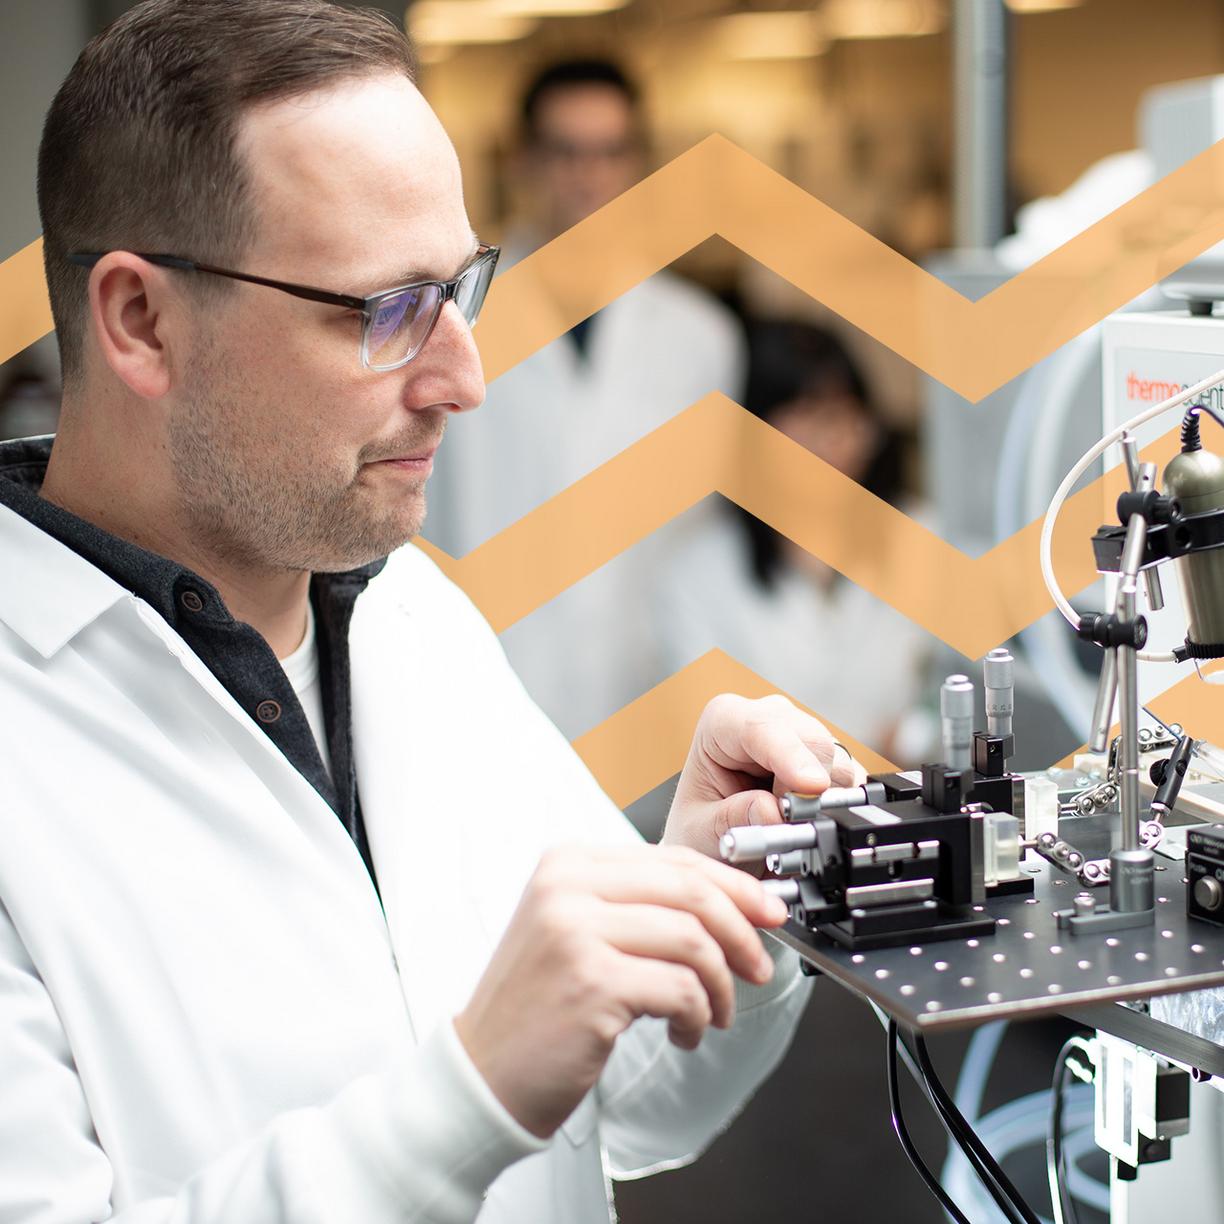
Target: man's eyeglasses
{"type": "Point", "coordinates": [397, 322]}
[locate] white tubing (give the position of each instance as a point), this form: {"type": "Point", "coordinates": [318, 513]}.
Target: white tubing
{"type": "Point", "coordinates": [975, 1069]}
{"type": "Point", "coordinates": [1081, 466]}
{"type": "Point", "coordinates": [1019, 1125]}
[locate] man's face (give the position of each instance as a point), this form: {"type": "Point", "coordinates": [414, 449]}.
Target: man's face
{"type": "Point", "coordinates": [287, 452]}
{"type": "Point", "coordinates": [587, 151]}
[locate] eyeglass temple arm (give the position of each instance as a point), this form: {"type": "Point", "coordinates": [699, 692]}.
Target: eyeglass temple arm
{"type": "Point", "coordinates": [87, 259]}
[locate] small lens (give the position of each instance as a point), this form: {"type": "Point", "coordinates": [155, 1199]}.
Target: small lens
{"type": "Point", "coordinates": [394, 329]}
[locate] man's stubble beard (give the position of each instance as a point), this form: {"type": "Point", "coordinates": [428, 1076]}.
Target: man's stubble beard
{"type": "Point", "coordinates": [250, 501]}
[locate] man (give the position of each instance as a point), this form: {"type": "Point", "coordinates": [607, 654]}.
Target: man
{"type": "Point", "coordinates": [307, 942]}
{"type": "Point", "coordinates": [643, 359]}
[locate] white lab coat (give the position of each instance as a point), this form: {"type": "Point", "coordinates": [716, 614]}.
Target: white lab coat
{"type": "Point", "coordinates": [205, 1016]}
{"type": "Point", "coordinates": [548, 422]}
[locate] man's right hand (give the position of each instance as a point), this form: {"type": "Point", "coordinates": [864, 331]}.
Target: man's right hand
{"type": "Point", "coordinates": [600, 938]}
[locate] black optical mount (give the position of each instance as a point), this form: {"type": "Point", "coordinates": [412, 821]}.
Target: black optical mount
{"type": "Point", "coordinates": [1109, 630]}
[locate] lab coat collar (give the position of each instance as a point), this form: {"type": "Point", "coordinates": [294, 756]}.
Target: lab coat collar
{"type": "Point", "coordinates": [88, 558]}
{"type": "Point", "coordinates": [48, 593]}
{"type": "Point", "coordinates": [155, 579]}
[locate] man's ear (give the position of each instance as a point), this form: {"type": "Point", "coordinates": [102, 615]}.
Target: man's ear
{"type": "Point", "coordinates": [127, 302]}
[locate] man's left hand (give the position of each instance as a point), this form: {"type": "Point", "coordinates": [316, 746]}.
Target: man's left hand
{"type": "Point", "coordinates": [739, 745]}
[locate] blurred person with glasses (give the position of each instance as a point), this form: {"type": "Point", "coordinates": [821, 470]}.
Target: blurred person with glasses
{"type": "Point", "coordinates": [307, 911]}
{"type": "Point", "coordinates": [615, 377]}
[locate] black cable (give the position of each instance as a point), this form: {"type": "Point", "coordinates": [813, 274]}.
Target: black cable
{"type": "Point", "coordinates": [902, 1049]}
{"type": "Point", "coordinates": [907, 1144]}
{"type": "Point", "coordinates": [988, 1169]}
{"type": "Point", "coordinates": [1056, 1165]}
{"type": "Point", "coordinates": [962, 1135]}
{"type": "Point", "coordinates": [1011, 1213]}
{"type": "Point", "coordinates": [1004, 1193]}
{"type": "Point", "coordinates": [958, 1133]}
{"type": "Point", "coordinates": [1190, 424]}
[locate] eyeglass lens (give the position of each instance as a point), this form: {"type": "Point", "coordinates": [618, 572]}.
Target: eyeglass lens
{"type": "Point", "coordinates": [402, 323]}
{"type": "Point", "coordinates": [396, 323]}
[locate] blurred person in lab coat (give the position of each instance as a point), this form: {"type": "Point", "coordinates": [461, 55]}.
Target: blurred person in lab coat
{"type": "Point", "coordinates": [733, 582]}
{"type": "Point", "coordinates": [580, 401]}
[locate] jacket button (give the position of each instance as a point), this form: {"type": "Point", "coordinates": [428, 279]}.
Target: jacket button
{"type": "Point", "coordinates": [268, 711]}
{"type": "Point", "coordinates": [191, 601]}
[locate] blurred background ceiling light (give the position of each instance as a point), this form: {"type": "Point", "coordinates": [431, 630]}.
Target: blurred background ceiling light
{"type": "Point", "coordinates": [448, 22]}
{"type": "Point", "coordinates": [1040, 6]}
{"type": "Point", "coordinates": [776, 35]}
{"type": "Point", "coordinates": [556, 8]}
{"type": "Point", "coordinates": [851, 19]}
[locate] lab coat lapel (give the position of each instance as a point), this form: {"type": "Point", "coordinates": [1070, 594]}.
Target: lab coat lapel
{"type": "Point", "coordinates": [426, 872]}
{"type": "Point", "coordinates": [273, 769]}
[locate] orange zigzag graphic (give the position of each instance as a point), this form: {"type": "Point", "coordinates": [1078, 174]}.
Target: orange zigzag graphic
{"type": "Point", "coordinates": [644, 744]}
{"type": "Point", "coordinates": [971, 347]}
{"type": "Point", "coordinates": [716, 446]}
{"type": "Point", "coordinates": [718, 188]}
{"type": "Point", "coordinates": [25, 312]}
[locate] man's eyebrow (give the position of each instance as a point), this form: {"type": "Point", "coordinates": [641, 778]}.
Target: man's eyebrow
{"type": "Point", "coordinates": [417, 274]}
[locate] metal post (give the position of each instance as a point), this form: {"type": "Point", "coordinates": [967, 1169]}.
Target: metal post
{"type": "Point", "coordinates": [980, 104]}
{"type": "Point", "coordinates": [1142, 479]}
{"type": "Point", "coordinates": [1128, 762]}
{"type": "Point", "coordinates": [1131, 882]}
{"type": "Point", "coordinates": [1128, 686]}
{"type": "Point", "coordinates": [1102, 711]}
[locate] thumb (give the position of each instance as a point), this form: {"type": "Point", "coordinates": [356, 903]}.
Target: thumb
{"type": "Point", "coordinates": [749, 807]}
{"type": "Point", "coordinates": [798, 767]}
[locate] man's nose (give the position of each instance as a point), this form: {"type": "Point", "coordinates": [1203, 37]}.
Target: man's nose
{"type": "Point", "coordinates": [453, 348]}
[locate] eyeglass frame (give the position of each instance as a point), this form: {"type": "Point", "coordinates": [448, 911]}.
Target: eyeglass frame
{"type": "Point", "coordinates": [368, 305]}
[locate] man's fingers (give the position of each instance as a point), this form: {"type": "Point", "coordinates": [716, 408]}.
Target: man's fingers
{"type": "Point", "coordinates": [751, 807]}
{"type": "Point", "coordinates": [837, 759]}
{"type": "Point", "coordinates": [786, 741]}
{"type": "Point", "coordinates": [769, 736]}
{"type": "Point", "coordinates": [670, 992]}
{"type": "Point", "coordinates": [656, 933]}
{"type": "Point", "coordinates": [736, 903]}
{"type": "Point", "coordinates": [729, 903]}
{"type": "Point", "coordinates": [844, 770]}
{"type": "Point", "coordinates": [797, 750]}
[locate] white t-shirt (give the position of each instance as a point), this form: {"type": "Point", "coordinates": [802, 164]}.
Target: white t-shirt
{"type": "Point", "coordinates": [302, 668]}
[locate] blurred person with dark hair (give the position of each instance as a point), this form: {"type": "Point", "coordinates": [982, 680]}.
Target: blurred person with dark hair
{"type": "Point", "coordinates": [735, 583]}
{"type": "Point", "coordinates": [611, 380]}
{"type": "Point", "coordinates": [581, 139]}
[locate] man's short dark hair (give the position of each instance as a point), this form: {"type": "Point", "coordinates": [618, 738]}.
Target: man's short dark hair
{"type": "Point", "coordinates": [139, 147]}
{"type": "Point", "coordinates": [571, 74]}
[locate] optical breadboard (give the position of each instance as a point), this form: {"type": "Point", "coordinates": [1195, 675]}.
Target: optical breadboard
{"type": "Point", "coordinates": [1030, 966]}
